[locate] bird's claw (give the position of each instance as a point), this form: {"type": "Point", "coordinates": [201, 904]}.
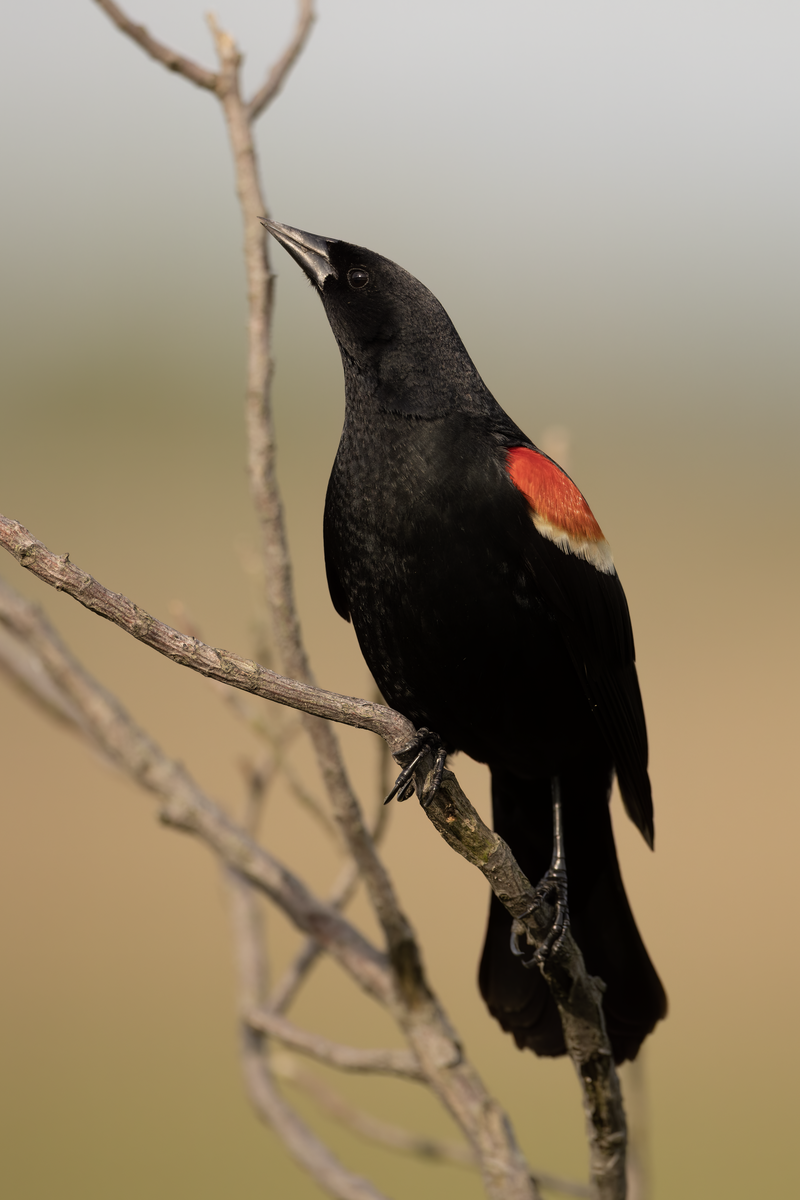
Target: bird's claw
{"type": "Point", "coordinates": [404, 784]}
{"type": "Point", "coordinates": [553, 884]}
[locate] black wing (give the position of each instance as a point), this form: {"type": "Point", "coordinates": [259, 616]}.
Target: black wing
{"type": "Point", "coordinates": [591, 611]}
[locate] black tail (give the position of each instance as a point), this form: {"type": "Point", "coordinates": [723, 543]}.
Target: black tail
{"type": "Point", "coordinates": [600, 917]}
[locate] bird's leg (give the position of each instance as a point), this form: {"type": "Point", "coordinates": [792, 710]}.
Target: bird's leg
{"type": "Point", "coordinates": [552, 885]}
{"type": "Point", "coordinates": [404, 785]}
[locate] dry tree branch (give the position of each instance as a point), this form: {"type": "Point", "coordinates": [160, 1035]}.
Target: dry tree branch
{"type": "Point", "coordinates": [185, 806]}
{"type": "Point", "coordinates": [64, 576]}
{"type": "Point", "coordinates": [280, 69]}
{"type": "Point", "coordinates": [294, 975]}
{"type": "Point", "coordinates": [157, 50]}
{"type": "Point", "coordinates": [400, 1063]}
{"type": "Point", "coordinates": [24, 671]}
{"type": "Point", "coordinates": [340, 894]}
{"type": "Point", "coordinates": [577, 994]}
{"type": "Point", "coordinates": [396, 1138]}
{"type": "Point", "coordinates": [403, 951]}
{"type": "Point", "coordinates": [368, 1126]}
{"type": "Point", "coordinates": [404, 991]}
{"type": "Point", "coordinates": [266, 1018]}
{"type": "Point", "coordinates": [304, 1146]}
{"type": "Point", "coordinates": [416, 1010]}
{"type": "Point", "coordinates": [397, 979]}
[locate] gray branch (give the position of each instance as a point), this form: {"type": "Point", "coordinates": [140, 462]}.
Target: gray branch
{"type": "Point", "coordinates": [57, 571]}
{"type": "Point", "coordinates": [368, 1126]}
{"type": "Point", "coordinates": [401, 1063]}
{"type": "Point", "coordinates": [396, 979]}
{"type": "Point", "coordinates": [403, 990]}
{"type": "Point", "coordinates": [304, 1146]}
{"type": "Point", "coordinates": [577, 994]}
{"type": "Point", "coordinates": [278, 72]}
{"type": "Point", "coordinates": [157, 50]}
{"type": "Point", "coordinates": [184, 805]}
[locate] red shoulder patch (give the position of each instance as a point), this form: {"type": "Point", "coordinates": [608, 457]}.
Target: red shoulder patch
{"type": "Point", "coordinates": [552, 494]}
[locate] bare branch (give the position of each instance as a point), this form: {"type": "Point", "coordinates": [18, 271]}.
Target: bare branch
{"type": "Point", "coordinates": [398, 981]}
{"type": "Point", "coordinates": [310, 803]}
{"type": "Point", "coordinates": [403, 951]}
{"type": "Point", "coordinates": [280, 69]}
{"type": "Point", "coordinates": [186, 806]}
{"type": "Point", "coordinates": [157, 50]}
{"type": "Point", "coordinates": [370, 1127]}
{"type": "Point", "coordinates": [311, 1154]}
{"type": "Point", "coordinates": [229, 668]}
{"type": "Point", "coordinates": [576, 993]}
{"type": "Point", "coordinates": [64, 576]}
{"type": "Point", "coordinates": [298, 969]}
{"type": "Point", "coordinates": [304, 1146]}
{"type": "Point", "coordinates": [258, 781]}
{"type": "Point", "coordinates": [339, 896]}
{"type": "Point", "coordinates": [408, 997]}
{"type": "Point", "coordinates": [400, 1139]}
{"type": "Point", "coordinates": [346, 1058]}
{"type": "Point", "coordinates": [634, 1078]}
{"type": "Point", "coordinates": [23, 669]}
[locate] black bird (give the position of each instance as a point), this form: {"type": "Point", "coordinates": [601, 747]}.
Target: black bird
{"type": "Point", "coordinates": [489, 611]}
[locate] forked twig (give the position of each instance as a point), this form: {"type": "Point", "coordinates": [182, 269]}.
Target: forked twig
{"type": "Point", "coordinates": [576, 994]}
{"type": "Point", "coordinates": [400, 1063]}
{"type": "Point", "coordinates": [396, 979]}
{"type": "Point", "coordinates": [429, 1034]}
{"type": "Point", "coordinates": [368, 1126]}
{"type": "Point", "coordinates": [279, 70]}
{"type": "Point", "coordinates": [157, 50]}
{"type": "Point", "coordinates": [304, 1146]}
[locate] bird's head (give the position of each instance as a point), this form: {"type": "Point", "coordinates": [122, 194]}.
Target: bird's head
{"type": "Point", "coordinates": [388, 325]}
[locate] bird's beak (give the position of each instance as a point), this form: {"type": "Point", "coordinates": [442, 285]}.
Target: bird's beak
{"type": "Point", "coordinates": [310, 251]}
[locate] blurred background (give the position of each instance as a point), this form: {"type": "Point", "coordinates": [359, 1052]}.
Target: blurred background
{"type": "Point", "coordinates": [605, 198]}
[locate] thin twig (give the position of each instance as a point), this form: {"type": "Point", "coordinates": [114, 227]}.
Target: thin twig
{"type": "Point", "coordinates": [636, 1104]}
{"type": "Point", "coordinates": [403, 950]}
{"type": "Point", "coordinates": [338, 898]}
{"type": "Point", "coordinates": [294, 975]}
{"type": "Point", "coordinates": [258, 781]}
{"type": "Point", "coordinates": [401, 1063]}
{"type": "Point", "coordinates": [370, 1127]}
{"type": "Point", "coordinates": [310, 803]}
{"type": "Point", "coordinates": [64, 576]}
{"type": "Point", "coordinates": [185, 805]}
{"type": "Point", "coordinates": [157, 50]}
{"type": "Point", "coordinates": [279, 763]}
{"type": "Point", "coordinates": [406, 995]}
{"type": "Point", "coordinates": [577, 994]}
{"type": "Point", "coordinates": [304, 1146]}
{"type": "Point", "coordinates": [395, 1137]}
{"type": "Point", "coordinates": [341, 893]}
{"type": "Point", "coordinates": [24, 670]}
{"type": "Point", "coordinates": [279, 70]}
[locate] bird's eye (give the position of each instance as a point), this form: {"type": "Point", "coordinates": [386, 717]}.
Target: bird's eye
{"type": "Point", "coordinates": [357, 277]}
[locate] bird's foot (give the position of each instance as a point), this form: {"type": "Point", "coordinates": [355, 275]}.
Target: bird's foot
{"type": "Point", "coordinates": [404, 784]}
{"type": "Point", "coordinates": [551, 888]}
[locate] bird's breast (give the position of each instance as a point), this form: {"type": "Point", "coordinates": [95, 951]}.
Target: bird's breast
{"type": "Point", "coordinates": [429, 546]}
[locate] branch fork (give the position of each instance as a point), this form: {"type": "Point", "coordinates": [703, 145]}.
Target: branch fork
{"type": "Point", "coordinates": [393, 976]}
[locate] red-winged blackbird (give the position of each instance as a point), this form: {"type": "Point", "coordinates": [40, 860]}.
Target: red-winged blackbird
{"type": "Point", "coordinates": [488, 609]}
